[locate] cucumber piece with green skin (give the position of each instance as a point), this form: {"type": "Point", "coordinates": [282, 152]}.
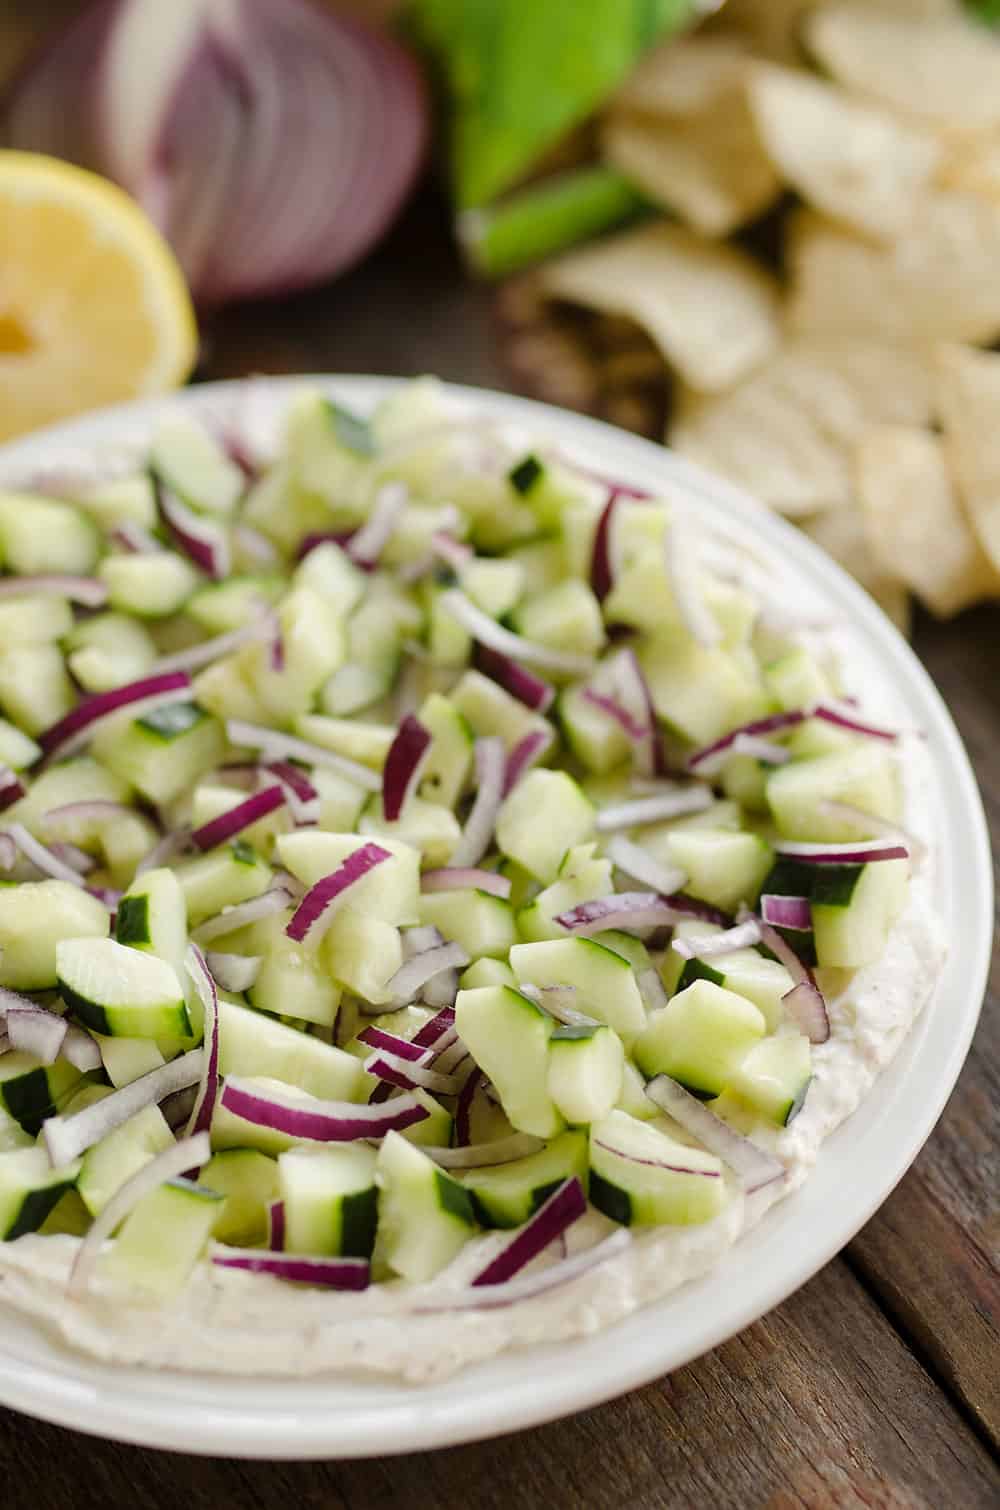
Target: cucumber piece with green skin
{"type": "Point", "coordinates": [449, 760]}
{"type": "Point", "coordinates": [30, 1189]}
{"type": "Point", "coordinates": [119, 1155]}
{"type": "Point", "coordinates": [185, 457]}
{"type": "Point", "coordinates": [761, 980]}
{"type": "Point", "coordinates": [209, 801]}
{"type": "Point", "coordinates": [35, 917]}
{"type": "Point", "coordinates": [700, 1037]}
{"type": "Point", "coordinates": [424, 1215]}
{"type": "Point", "coordinates": [229, 1130]}
{"type": "Point", "coordinates": [120, 991]}
{"type": "Point", "coordinates": [78, 780]}
{"type": "Point", "coordinates": [544, 815]}
{"type": "Point", "coordinates": [699, 692]}
{"type": "Point", "coordinates": [162, 1238]}
{"type": "Point", "coordinates": [292, 981]}
{"type": "Point", "coordinates": [426, 826]}
{"type": "Point", "coordinates": [505, 1195]}
{"type": "Point", "coordinates": [865, 777]}
{"type": "Point", "coordinates": [722, 868]}
{"type": "Point", "coordinates": [627, 945]}
{"type": "Point", "coordinates": [34, 620]}
{"type": "Point", "coordinates": [487, 972]}
{"type": "Point", "coordinates": [582, 876]}
{"type": "Point", "coordinates": [605, 983]}
{"type": "Point", "coordinates": [488, 709]}
{"type": "Point", "coordinates": [35, 691]}
{"type": "Point", "coordinates": [774, 1077]}
{"type": "Point", "coordinates": [329, 1198]}
{"type": "Point", "coordinates": [640, 1176]}
{"type": "Point", "coordinates": [12, 1134]}
{"type": "Point", "coordinates": [477, 921]}
{"type": "Point", "coordinates": [17, 751]}
{"type": "Point", "coordinates": [362, 953]}
{"type": "Point", "coordinates": [249, 1181]}
{"type": "Point", "coordinates": [744, 779]}
{"type": "Point", "coordinates": [508, 1037]}
{"type": "Point", "coordinates": [31, 1091]}
{"type": "Point", "coordinates": [586, 1069]}
{"type": "Point", "coordinates": [564, 617]}
{"type": "Point", "coordinates": [231, 604]}
{"type": "Point", "coordinates": [435, 1131]}
{"type": "Point", "coordinates": [220, 879]}
{"type": "Point", "coordinates": [854, 908]}
{"type": "Point", "coordinates": [366, 743]}
{"type": "Point", "coordinates": [595, 737]}
{"type": "Point", "coordinates": [164, 752]}
{"type": "Point", "coordinates": [253, 1043]}
{"type": "Point", "coordinates": [390, 890]}
{"type": "Point", "coordinates": [151, 586]}
{"type": "Point", "coordinates": [152, 916]}
{"type": "Point", "coordinates": [39, 535]}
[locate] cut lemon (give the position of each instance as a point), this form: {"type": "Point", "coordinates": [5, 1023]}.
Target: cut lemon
{"type": "Point", "coordinates": [93, 305]}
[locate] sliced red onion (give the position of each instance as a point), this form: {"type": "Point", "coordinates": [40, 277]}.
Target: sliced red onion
{"type": "Point", "coordinates": [463, 1106]}
{"type": "Point", "coordinates": [13, 1001]}
{"type": "Point", "coordinates": [206, 651]}
{"type": "Point", "coordinates": [80, 1050]}
{"type": "Point", "coordinates": [451, 1055]}
{"type": "Point", "coordinates": [436, 1029]}
{"type": "Point", "coordinates": [204, 541]}
{"type": "Point", "coordinates": [529, 1286]}
{"type": "Point", "coordinates": [525, 754]}
{"type": "Point", "coordinates": [466, 878]}
{"type": "Point", "coordinates": [491, 764]}
{"type": "Point", "coordinates": [189, 1153]}
{"type": "Point", "coordinates": [296, 1268]}
{"type": "Point", "coordinates": [524, 685]}
{"type": "Point", "coordinates": [711, 758]}
{"type": "Point", "coordinates": [76, 859]}
{"type": "Point", "coordinates": [367, 544]}
{"type": "Point", "coordinates": [753, 1166]}
{"type": "Point", "coordinates": [408, 1076]}
{"type": "Point", "coordinates": [486, 1155]}
{"type": "Point", "coordinates": [42, 857]}
{"type": "Point", "coordinates": [314, 913]}
{"type": "Point", "coordinates": [671, 804]}
{"type": "Point", "coordinates": [651, 989]}
{"type": "Point", "coordinates": [36, 1031]}
{"type": "Point", "coordinates": [234, 972]}
{"type": "Point", "coordinates": [90, 592]}
{"type": "Point", "coordinates": [681, 566]}
{"type": "Point", "coordinates": [870, 824]}
{"type": "Point", "coordinates": [454, 553]}
{"type": "Point", "coordinates": [787, 912]}
{"type": "Point", "coordinates": [134, 539]}
{"type": "Point", "coordinates": [416, 940]}
{"type": "Point", "coordinates": [493, 635]}
{"type": "Point", "coordinates": [276, 1225]}
{"type": "Point", "coordinates": [68, 1137]}
{"type": "Point", "coordinates": [631, 1158]}
{"type": "Point", "coordinates": [408, 979]}
{"type": "Point", "coordinates": [636, 862]}
{"type": "Point", "coordinates": [315, 538]}
{"type": "Point", "coordinates": [228, 824]}
{"type": "Point", "coordinates": [564, 1207]}
{"type": "Point", "coordinates": [165, 849]}
{"type": "Point", "coordinates": [401, 1048]}
{"type": "Point", "coordinates": [634, 694]}
{"type": "Point", "coordinates": [238, 916]}
{"type": "Point", "coordinates": [615, 710]}
{"type": "Point", "coordinates": [559, 1002]}
{"type": "Point", "coordinates": [831, 714]}
{"type": "Point", "coordinates": [632, 910]}
{"type": "Point", "coordinates": [804, 1002]}
{"type": "Point", "coordinates": [757, 748]}
{"type": "Point", "coordinates": [8, 852]}
{"type": "Point", "coordinates": [863, 852]}
{"type": "Point", "coordinates": [208, 1086]}
{"type": "Point", "coordinates": [274, 744]}
{"type": "Point", "coordinates": [149, 692]}
{"type": "Point", "coordinates": [744, 936]}
{"type": "Point", "coordinates": [301, 796]}
{"type": "Point", "coordinates": [404, 765]}
{"type": "Point", "coordinates": [442, 989]}
{"type": "Point", "coordinates": [601, 574]}
{"type": "Point", "coordinates": [318, 1121]}
{"type": "Point", "coordinates": [11, 787]}
{"type": "Point", "coordinates": [106, 894]}
{"type": "Point", "coordinates": [255, 545]}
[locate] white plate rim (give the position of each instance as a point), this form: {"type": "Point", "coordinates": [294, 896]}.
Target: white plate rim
{"type": "Point", "coordinates": [330, 1418]}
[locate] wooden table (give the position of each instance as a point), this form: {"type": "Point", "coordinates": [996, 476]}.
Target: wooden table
{"type": "Point", "coordinates": [876, 1385]}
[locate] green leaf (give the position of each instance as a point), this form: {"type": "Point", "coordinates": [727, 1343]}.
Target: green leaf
{"type": "Point", "coordinates": [546, 217]}
{"type": "Point", "coordinates": [987, 11]}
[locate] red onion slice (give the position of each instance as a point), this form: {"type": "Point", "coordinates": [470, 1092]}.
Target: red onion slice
{"type": "Point", "coordinates": [681, 566]}
{"type": "Point", "coordinates": [276, 1225]}
{"type": "Point", "coordinates": [671, 804]}
{"type": "Point", "coordinates": [493, 635]}
{"type": "Point", "coordinates": [454, 553]}
{"type": "Point", "coordinates": [633, 691]}
{"type": "Point", "coordinates": [11, 788]}
{"type": "Point", "coordinates": [564, 1207]}
{"type": "Point", "coordinates": [831, 714]}
{"type": "Point", "coordinates": [227, 825]}
{"type": "Point", "coordinates": [319, 1121]}
{"type": "Point", "coordinates": [753, 1166]}
{"type": "Point", "coordinates": [525, 754]}
{"type": "Point", "coordinates": [255, 545]}
{"type": "Point", "coordinates": [651, 989]}
{"type": "Point", "coordinates": [296, 1268]}
{"type": "Point", "coordinates": [402, 1048]}
{"type": "Point", "coordinates": [744, 936]}
{"type": "Point", "coordinates": [367, 544]}
{"type": "Point", "coordinates": [863, 852]}
{"type": "Point", "coordinates": [274, 744]}
{"type": "Point", "coordinates": [601, 574]}
{"type": "Point", "coordinates": [206, 651]}
{"type": "Point", "coordinates": [404, 765]}
{"type": "Point", "coordinates": [530, 1286]}
{"type": "Point", "coordinates": [234, 972]}
{"type": "Point", "coordinates": [764, 750]}
{"type": "Point", "coordinates": [491, 763]}
{"type": "Point", "coordinates": [204, 541]}
{"type": "Point", "coordinates": [463, 1106]}
{"type": "Point", "coordinates": [466, 878]}
{"type": "Point", "coordinates": [711, 758]}
{"type": "Point", "coordinates": [208, 1086]}
{"type": "Point", "coordinates": [486, 1155]}
{"type": "Point", "coordinates": [231, 918]}
{"type": "Point", "coordinates": [615, 710]}
{"type": "Point", "coordinates": [43, 857]}
{"type": "Point", "coordinates": [636, 862]}
{"type": "Point", "coordinates": [89, 592]}
{"type": "Point", "coordinates": [68, 1137]}
{"type": "Point", "coordinates": [436, 1029]}
{"type": "Point", "coordinates": [869, 824]}
{"type": "Point", "coordinates": [134, 539]}
{"type": "Point", "coordinates": [80, 1050]}
{"type": "Point", "coordinates": [558, 1001]}
{"type": "Point", "coordinates": [632, 910]}
{"type": "Point", "coordinates": [301, 796]}
{"type": "Point", "coordinates": [787, 912]}
{"type": "Point", "coordinates": [36, 1031]}
{"type": "Point", "coordinates": [409, 1076]}
{"type": "Point", "coordinates": [416, 972]}
{"type": "Point", "coordinates": [314, 913]}
{"type": "Point", "coordinates": [804, 1002]}
{"type": "Point", "coordinates": [524, 685]}
{"type": "Point", "coordinates": [189, 1153]}
{"type": "Point", "coordinates": [165, 849]}
{"type": "Point", "coordinates": [73, 730]}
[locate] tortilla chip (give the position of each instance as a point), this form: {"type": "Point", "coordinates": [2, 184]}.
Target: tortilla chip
{"type": "Point", "coordinates": [842, 535]}
{"type": "Point", "coordinates": [710, 169]}
{"type": "Point", "coordinates": [711, 309]}
{"type": "Point", "coordinates": [969, 407]}
{"type": "Point", "coordinates": [852, 160]}
{"type": "Point", "coordinates": [944, 70]}
{"type": "Point", "coordinates": [685, 76]}
{"type": "Point", "coordinates": [937, 283]}
{"type": "Point", "coordinates": [915, 524]}
{"type": "Point", "coordinates": [787, 433]}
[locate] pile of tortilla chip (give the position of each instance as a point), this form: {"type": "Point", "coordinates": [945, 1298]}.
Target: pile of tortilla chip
{"type": "Point", "coordinates": [808, 317]}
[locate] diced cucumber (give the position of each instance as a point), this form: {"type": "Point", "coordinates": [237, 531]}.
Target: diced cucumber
{"type": "Point", "coordinates": [210, 800]}
{"type": "Point", "coordinates": [542, 563]}
{"type": "Point", "coordinates": [605, 983]}
{"type": "Point", "coordinates": [586, 1068]}
{"type": "Point", "coordinates": [119, 991]}
{"type": "Point", "coordinates": [292, 981]}
{"type": "Point", "coordinates": [722, 868]}
{"type": "Point", "coordinates": [487, 972]}
{"type": "Point", "coordinates": [488, 709]}
{"type": "Point", "coordinates": [120, 1154]}
{"type": "Point", "coordinates": [152, 916]}
{"type": "Point", "coordinates": [164, 752]}
{"type": "Point", "coordinates": [449, 644]}
{"type": "Point", "coordinates": [249, 1181]}
{"type": "Point", "coordinates": [373, 641]}
{"type": "Point", "coordinates": [340, 800]}
{"type": "Point", "coordinates": [79, 780]}
{"type": "Point", "coordinates": [330, 571]}
{"type": "Point", "coordinates": [329, 1196]}
{"type": "Point", "coordinates": [128, 1059]}
{"type": "Point", "coordinates": [29, 1190]}
{"type": "Point", "coordinates": [854, 908]}
{"type": "Point", "coordinates": [774, 1077]}
{"type": "Point", "coordinates": [35, 916]}
{"type": "Point", "coordinates": [17, 751]}
{"type": "Point", "coordinates": [313, 646]}
{"type": "Point", "coordinates": [495, 585]}
{"type": "Point", "coordinates": [31, 1091]}
{"type": "Point", "coordinates": [865, 777]}
{"type": "Point", "coordinates": [109, 650]}
{"type": "Point", "coordinates": [162, 1238]}
{"type": "Point", "coordinates": [226, 689]}
{"type": "Point", "coordinates": [328, 447]}
{"type": "Point", "coordinates": [797, 680]}
{"type": "Point", "coordinates": [744, 779]}
{"type": "Point", "coordinates": [508, 1036]}
{"type": "Point", "coordinates": [633, 1098]}
{"type": "Point", "coordinates": [596, 738]}
{"type": "Point", "coordinates": [581, 877]}
{"type": "Point", "coordinates": [627, 945]}
{"type": "Point", "coordinates": [39, 535]}
{"type": "Point", "coordinates": [564, 617]}
{"type": "Point", "coordinates": [426, 826]}
{"type": "Point", "coordinates": [221, 879]}
{"type": "Point", "coordinates": [391, 890]}
{"type": "Point", "coordinates": [639, 1176]}
{"type": "Point", "coordinates": [762, 981]}
{"type": "Point", "coordinates": [699, 692]}
{"type": "Point", "coordinates": [449, 759]}
{"type": "Point", "coordinates": [543, 816]}
{"type": "Point", "coordinates": [700, 1037]}
{"type": "Point", "coordinates": [35, 690]}
{"type": "Point", "coordinates": [193, 464]}
{"type": "Point", "coordinates": [479, 922]}
{"type": "Point", "coordinates": [228, 605]}
{"type": "Point", "coordinates": [121, 500]}
{"type": "Point", "coordinates": [152, 585]}
{"type": "Point", "coordinates": [363, 953]}
{"type": "Point", "coordinates": [366, 743]}
{"type": "Point", "coordinates": [424, 1216]}
{"type": "Point", "coordinates": [505, 1195]}
{"type": "Point", "coordinates": [253, 1043]}
{"type": "Point", "coordinates": [435, 1130]}
{"type": "Point", "coordinates": [34, 620]}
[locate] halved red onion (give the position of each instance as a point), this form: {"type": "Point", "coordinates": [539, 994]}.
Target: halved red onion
{"type": "Point", "coordinates": [524, 685]}
{"type": "Point", "coordinates": [651, 989]}
{"type": "Point", "coordinates": [165, 849]}
{"type": "Point", "coordinates": [491, 764]}
{"type": "Point", "coordinates": [787, 912]}
{"type": "Point", "coordinates": [301, 796]}
{"type": "Point", "coordinates": [204, 541]}
{"type": "Point", "coordinates": [276, 1225]}
{"type": "Point", "coordinates": [367, 544]}
{"type": "Point", "coordinates": [804, 1002]}
{"type": "Point", "coordinates": [404, 765]}
{"type": "Point", "coordinates": [274, 744]}
{"type": "Point", "coordinates": [493, 635]}
{"type": "Point", "coordinates": [208, 1086]}
{"type": "Point", "coordinates": [416, 940]}
{"type": "Point", "coordinates": [43, 857]}
{"type": "Point", "coordinates": [638, 863]}
{"type": "Point", "coordinates": [529, 1286]}
{"type": "Point", "coordinates": [485, 1155]}
{"type": "Point", "coordinates": [76, 727]}
{"type": "Point", "coordinates": [861, 852]}
{"type": "Point", "coordinates": [79, 1049]}
{"type": "Point", "coordinates": [711, 758]}
{"type": "Point", "coordinates": [296, 1268]}
{"type": "Point", "coordinates": [559, 1001]}
{"type": "Point", "coordinates": [36, 1031]}
{"type": "Point", "coordinates": [564, 1206]}
{"type": "Point", "coordinates": [402, 1048]}
{"type": "Point", "coordinates": [525, 754]}
{"type": "Point", "coordinates": [436, 1030]}
{"type": "Point", "coordinates": [415, 972]}
{"type": "Point", "coordinates": [232, 822]}
{"type": "Point", "coordinates": [230, 918]}
{"type": "Point", "coordinates": [11, 787]}
{"type": "Point", "coordinates": [466, 878]}
{"type": "Point", "coordinates": [90, 592]}
{"type": "Point", "coordinates": [744, 936]}
{"type": "Point", "coordinates": [258, 631]}
{"type": "Point", "coordinates": [318, 1121]}
{"type": "Point", "coordinates": [68, 1137]}
{"type": "Point", "coordinates": [681, 566]}
{"type": "Point", "coordinates": [408, 1075]}
{"type": "Point", "coordinates": [314, 913]}
{"type": "Point", "coordinates": [134, 539]}
{"type": "Point", "coordinates": [670, 804]}
{"type": "Point", "coordinates": [234, 972]}
{"type": "Point", "coordinates": [870, 824]}
{"type": "Point", "coordinates": [753, 1166]}
{"type": "Point", "coordinates": [601, 574]}
{"type": "Point", "coordinates": [633, 910]}
{"type": "Point", "coordinates": [463, 1106]}
{"type": "Point", "coordinates": [841, 719]}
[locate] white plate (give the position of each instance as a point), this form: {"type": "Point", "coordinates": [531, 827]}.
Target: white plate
{"type": "Point", "coordinates": [858, 1167]}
